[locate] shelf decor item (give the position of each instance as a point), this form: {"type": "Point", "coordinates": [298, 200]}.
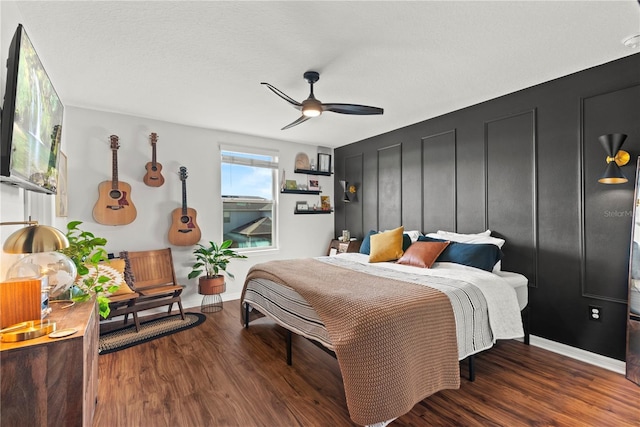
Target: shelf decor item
{"type": "Point", "coordinates": [325, 203]}
{"type": "Point", "coordinates": [291, 184]}
{"type": "Point", "coordinates": [314, 185]}
{"type": "Point", "coordinates": [302, 161]}
{"type": "Point", "coordinates": [324, 162]}
{"type": "Point", "coordinates": [302, 206]}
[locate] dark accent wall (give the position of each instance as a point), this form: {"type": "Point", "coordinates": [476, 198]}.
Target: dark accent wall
{"type": "Point", "coordinates": [526, 165]}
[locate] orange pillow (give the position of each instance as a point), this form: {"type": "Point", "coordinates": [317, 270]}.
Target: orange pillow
{"type": "Point", "coordinates": [423, 254]}
{"type": "Point", "coordinates": [386, 246]}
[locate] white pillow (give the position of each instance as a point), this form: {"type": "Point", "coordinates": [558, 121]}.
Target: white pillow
{"type": "Point", "coordinates": [413, 234]}
{"type": "Point", "coordinates": [484, 237]}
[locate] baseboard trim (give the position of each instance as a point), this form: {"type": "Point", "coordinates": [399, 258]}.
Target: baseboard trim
{"type": "Point", "coordinates": [579, 354]}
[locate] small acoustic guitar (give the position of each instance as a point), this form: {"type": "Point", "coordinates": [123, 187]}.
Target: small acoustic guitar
{"type": "Point", "coordinates": [114, 206]}
{"type": "Point", "coordinates": [184, 229]}
{"type": "Point", "coordinates": [153, 177]}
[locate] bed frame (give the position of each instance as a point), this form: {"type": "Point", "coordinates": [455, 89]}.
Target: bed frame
{"type": "Point", "coordinates": [470, 359]}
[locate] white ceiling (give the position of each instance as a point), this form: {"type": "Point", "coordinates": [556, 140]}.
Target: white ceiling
{"type": "Point", "coordinates": [200, 63]}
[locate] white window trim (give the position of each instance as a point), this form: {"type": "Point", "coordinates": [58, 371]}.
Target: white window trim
{"type": "Point", "coordinates": [275, 166]}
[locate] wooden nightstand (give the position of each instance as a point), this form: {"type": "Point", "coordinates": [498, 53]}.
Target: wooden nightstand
{"type": "Point", "coordinates": [338, 247]}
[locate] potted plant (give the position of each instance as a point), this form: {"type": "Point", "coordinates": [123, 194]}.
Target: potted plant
{"type": "Point", "coordinates": [210, 263]}
{"type": "Point", "coordinates": [87, 252]}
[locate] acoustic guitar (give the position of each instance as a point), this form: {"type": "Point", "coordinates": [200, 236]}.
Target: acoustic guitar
{"type": "Point", "coordinates": [114, 206]}
{"type": "Point", "coordinates": [153, 177]}
{"type": "Point", "coordinates": [184, 229]}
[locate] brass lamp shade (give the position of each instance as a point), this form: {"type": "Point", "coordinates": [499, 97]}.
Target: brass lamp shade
{"type": "Point", "coordinates": [35, 238]}
{"type": "Point", "coordinates": [613, 175]}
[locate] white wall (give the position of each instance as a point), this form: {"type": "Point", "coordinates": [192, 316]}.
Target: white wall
{"type": "Point", "coordinates": [87, 146]}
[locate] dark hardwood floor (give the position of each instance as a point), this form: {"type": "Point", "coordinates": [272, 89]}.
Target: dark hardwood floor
{"type": "Point", "coordinates": [220, 374]}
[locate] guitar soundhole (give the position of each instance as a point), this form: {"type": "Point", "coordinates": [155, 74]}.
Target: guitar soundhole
{"type": "Point", "coordinates": [115, 194]}
{"type": "Point", "coordinates": [154, 168]}
{"type": "Point", "coordinates": [184, 219]}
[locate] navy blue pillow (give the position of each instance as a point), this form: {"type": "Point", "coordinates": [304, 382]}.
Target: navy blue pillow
{"type": "Point", "coordinates": [483, 255]}
{"type": "Point", "coordinates": [365, 247]}
{"type": "Point", "coordinates": [406, 241]}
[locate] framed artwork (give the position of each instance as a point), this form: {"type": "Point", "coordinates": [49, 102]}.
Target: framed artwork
{"type": "Point", "coordinates": [325, 203]}
{"type": "Point", "coordinates": [291, 184]}
{"type": "Point", "coordinates": [324, 162]}
{"type": "Point", "coordinates": [314, 185]}
{"type": "Point", "coordinates": [62, 203]}
{"type": "Point", "coordinates": [302, 206]}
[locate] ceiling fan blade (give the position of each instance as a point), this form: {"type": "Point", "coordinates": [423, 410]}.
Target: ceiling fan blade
{"type": "Point", "coordinates": [283, 95]}
{"type": "Point", "coordinates": [297, 122]}
{"type": "Point", "coordinates": [352, 109]}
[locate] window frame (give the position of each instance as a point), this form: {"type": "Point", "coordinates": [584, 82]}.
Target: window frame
{"type": "Point", "coordinates": [274, 166]}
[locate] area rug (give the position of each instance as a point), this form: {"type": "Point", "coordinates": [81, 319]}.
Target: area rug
{"type": "Point", "coordinates": [128, 337]}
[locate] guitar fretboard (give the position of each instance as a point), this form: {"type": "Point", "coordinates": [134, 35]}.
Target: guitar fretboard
{"type": "Point", "coordinates": [184, 197]}
{"type": "Point", "coordinates": [153, 149]}
{"type": "Point", "coordinates": [114, 171]}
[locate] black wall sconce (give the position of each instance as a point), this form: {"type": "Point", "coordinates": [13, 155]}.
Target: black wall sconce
{"type": "Point", "coordinates": [615, 158]}
{"type": "Point", "coordinates": [349, 192]}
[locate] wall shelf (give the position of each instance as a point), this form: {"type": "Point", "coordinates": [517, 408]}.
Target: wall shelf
{"type": "Point", "coordinates": [285, 191]}
{"type": "Point", "coordinates": [312, 172]}
{"type": "Point", "coordinates": [311, 211]}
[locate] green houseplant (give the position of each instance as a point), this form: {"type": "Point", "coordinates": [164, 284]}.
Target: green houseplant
{"type": "Point", "coordinates": [210, 263]}
{"type": "Point", "coordinates": [87, 252]}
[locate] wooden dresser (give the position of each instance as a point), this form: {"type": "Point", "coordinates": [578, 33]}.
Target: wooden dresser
{"type": "Point", "coordinates": [53, 382]}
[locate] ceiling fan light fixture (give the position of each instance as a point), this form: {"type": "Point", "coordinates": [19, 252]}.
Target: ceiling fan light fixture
{"type": "Point", "coordinates": [311, 108]}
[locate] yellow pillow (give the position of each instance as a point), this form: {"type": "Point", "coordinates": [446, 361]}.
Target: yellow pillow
{"type": "Point", "coordinates": [119, 265]}
{"type": "Point", "coordinates": [386, 246]}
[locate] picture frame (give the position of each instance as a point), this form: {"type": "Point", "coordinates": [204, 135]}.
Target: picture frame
{"type": "Point", "coordinates": [302, 206]}
{"type": "Point", "coordinates": [291, 184]}
{"type": "Point", "coordinates": [314, 184]}
{"type": "Point", "coordinates": [62, 201]}
{"type": "Point", "coordinates": [324, 162]}
{"type": "Point", "coordinates": [325, 203]}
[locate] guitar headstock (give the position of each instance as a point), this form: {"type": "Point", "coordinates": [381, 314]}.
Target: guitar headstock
{"type": "Point", "coordinates": [154, 138]}
{"type": "Point", "coordinates": [183, 173]}
{"type": "Point", "coordinates": [114, 142]}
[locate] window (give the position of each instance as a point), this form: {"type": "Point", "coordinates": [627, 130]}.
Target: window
{"type": "Point", "coordinates": [248, 182]}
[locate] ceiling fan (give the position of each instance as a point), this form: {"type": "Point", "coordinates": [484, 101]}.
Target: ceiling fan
{"type": "Point", "coordinates": [311, 107]}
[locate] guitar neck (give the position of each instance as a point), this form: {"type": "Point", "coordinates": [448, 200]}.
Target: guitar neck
{"type": "Point", "coordinates": [114, 171]}
{"type": "Point", "coordinates": [184, 197]}
{"type": "Point", "coordinates": [153, 154]}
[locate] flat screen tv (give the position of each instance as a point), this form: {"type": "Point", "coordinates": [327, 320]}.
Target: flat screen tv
{"type": "Point", "coordinates": [31, 125]}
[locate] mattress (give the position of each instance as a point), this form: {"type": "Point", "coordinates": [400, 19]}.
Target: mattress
{"type": "Point", "coordinates": [519, 283]}
{"type": "Point", "coordinates": [287, 308]}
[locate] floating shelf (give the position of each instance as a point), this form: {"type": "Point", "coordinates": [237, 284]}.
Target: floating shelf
{"type": "Point", "coordinates": [285, 191]}
{"type": "Point", "coordinates": [312, 172]}
{"type": "Point", "coordinates": [311, 211]}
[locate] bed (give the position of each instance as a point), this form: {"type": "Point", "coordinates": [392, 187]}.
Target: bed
{"type": "Point", "coordinates": [398, 331]}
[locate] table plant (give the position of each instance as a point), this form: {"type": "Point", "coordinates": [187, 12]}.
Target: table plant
{"type": "Point", "coordinates": [87, 252]}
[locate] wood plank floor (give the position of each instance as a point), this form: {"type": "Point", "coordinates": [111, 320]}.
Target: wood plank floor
{"type": "Point", "coordinates": [219, 374]}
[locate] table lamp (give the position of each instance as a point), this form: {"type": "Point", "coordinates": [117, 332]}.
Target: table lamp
{"type": "Point", "coordinates": [22, 297]}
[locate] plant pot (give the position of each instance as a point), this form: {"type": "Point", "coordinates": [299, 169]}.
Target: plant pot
{"type": "Point", "coordinates": [211, 286]}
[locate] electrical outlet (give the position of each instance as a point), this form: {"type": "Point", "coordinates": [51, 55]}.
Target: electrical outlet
{"type": "Point", "coordinates": [595, 313]}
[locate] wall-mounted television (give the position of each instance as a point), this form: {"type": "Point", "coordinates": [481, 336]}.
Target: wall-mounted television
{"type": "Point", "coordinates": [31, 125]}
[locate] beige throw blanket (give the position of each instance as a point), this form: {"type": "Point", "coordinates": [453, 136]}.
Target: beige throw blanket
{"type": "Point", "coordinates": [395, 341]}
